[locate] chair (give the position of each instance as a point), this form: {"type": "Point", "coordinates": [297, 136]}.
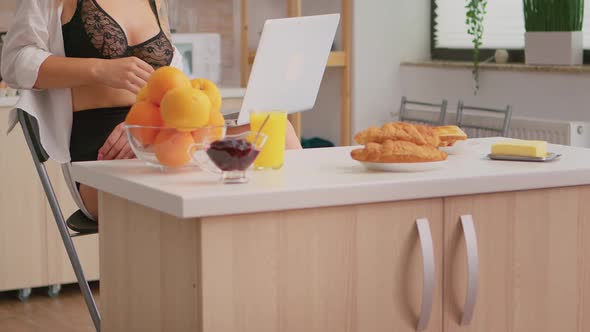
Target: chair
{"type": "Point", "coordinates": [411, 114]}
{"type": "Point", "coordinates": [79, 222]}
{"type": "Point", "coordinates": [503, 118]}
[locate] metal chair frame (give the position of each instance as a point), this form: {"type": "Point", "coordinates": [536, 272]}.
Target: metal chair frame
{"type": "Point", "coordinates": [30, 130]}
{"type": "Point", "coordinates": [504, 131]}
{"type": "Point", "coordinates": [404, 116]}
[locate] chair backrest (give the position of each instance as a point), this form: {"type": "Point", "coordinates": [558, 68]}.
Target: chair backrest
{"type": "Point", "coordinates": [31, 132]}
{"type": "Point", "coordinates": [503, 119]}
{"type": "Point", "coordinates": [421, 112]}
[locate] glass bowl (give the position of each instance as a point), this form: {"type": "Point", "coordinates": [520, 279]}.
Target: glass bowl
{"type": "Point", "coordinates": [229, 157]}
{"type": "Point", "coordinates": [168, 148]}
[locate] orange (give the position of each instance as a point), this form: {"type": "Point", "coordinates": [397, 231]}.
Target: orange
{"type": "Point", "coordinates": [185, 108]}
{"type": "Point", "coordinates": [211, 90]}
{"type": "Point", "coordinates": [144, 113]}
{"type": "Point", "coordinates": [218, 121]}
{"type": "Point", "coordinates": [142, 94]}
{"type": "Point", "coordinates": [163, 80]}
{"type": "Point", "coordinates": [172, 148]}
{"type": "Point", "coordinates": [215, 130]}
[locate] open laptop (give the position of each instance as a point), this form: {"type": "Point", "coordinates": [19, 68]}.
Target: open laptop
{"type": "Point", "coordinates": [289, 64]}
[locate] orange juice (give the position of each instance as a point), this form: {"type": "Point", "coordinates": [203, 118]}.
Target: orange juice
{"type": "Point", "coordinates": [273, 152]}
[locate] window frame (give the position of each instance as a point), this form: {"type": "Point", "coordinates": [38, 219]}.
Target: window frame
{"type": "Point", "coordinates": [466, 54]}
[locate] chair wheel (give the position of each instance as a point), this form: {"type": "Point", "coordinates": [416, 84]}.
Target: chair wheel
{"type": "Point", "coordinates": [24, 294]}
{"type": "Point", "coordinates": [53, 290]}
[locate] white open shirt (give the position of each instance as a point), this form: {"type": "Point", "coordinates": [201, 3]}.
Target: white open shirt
{"type": "Point", "coordinates": [36, 34]}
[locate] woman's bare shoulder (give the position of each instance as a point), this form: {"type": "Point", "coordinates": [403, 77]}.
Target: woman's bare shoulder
{"type": "Point", "coordinates": [69, 9]}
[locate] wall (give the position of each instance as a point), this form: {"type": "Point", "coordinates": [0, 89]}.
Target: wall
{"type": "Point", "coordinates": [386, 32]}
{"type": "Point", "coordinates": [217, 16]}
{"type": "Point", "coordinates": [537, 95]}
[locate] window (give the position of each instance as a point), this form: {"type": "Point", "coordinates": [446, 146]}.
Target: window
{"type": "Point", "coordinates": [503, 28]}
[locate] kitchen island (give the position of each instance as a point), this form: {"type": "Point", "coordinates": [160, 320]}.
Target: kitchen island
{"type": "Point", "coordinates": [324, 245]}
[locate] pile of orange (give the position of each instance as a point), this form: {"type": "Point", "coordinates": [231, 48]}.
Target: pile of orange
{"type": "Point", "coordinates": [191, 109]}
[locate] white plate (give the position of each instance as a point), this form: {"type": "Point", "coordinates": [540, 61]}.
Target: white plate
{"type": "Point", "coordinates": [404, 167]}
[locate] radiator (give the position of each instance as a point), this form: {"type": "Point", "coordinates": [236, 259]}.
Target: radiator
{"type": "Point", "coordinates": [557, 132]}
{"type": "Point", "coordinates": [553, 131]}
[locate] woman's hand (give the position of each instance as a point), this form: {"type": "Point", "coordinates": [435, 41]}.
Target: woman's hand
{"type": "Point", "coordinates": [116, 146]}
{"type": "Point", "coordinates": [129, 73]}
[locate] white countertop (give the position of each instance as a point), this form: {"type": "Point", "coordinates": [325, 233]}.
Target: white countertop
{"type": "Point", "coordinates": [328, 177]}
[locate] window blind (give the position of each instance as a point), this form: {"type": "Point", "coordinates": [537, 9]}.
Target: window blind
{"type": "Point", "coordinates": [503, 25]}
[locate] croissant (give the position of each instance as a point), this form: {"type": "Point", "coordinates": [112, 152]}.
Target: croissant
{"type": "Point", "coordinates": [449, 135]}
{"type": "Point", "coordinates": [398, 131]}
{"type": "Point", "coordinates": [398, 152]}
{"type": "Point", "coordinates": [417, 134]}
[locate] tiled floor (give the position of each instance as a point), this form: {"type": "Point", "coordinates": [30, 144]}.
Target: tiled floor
{"type": "Point", "coordinates": [65, 313]}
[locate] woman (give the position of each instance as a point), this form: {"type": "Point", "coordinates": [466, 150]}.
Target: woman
{"type": "Point", "coordinates": [81, 62]}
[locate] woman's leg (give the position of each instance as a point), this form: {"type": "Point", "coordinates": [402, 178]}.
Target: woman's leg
{"type": "Point", "coordinates": [90, 199]}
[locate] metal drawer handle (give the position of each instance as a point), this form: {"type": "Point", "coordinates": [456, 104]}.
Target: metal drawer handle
{"type": "Point", "coordinates": [472, 268]}
{"type": "Point", "coordinates": [428, 263]}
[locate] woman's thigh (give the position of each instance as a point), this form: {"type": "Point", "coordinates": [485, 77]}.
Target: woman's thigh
{"type": "Point", "coordinates": [90, 198]}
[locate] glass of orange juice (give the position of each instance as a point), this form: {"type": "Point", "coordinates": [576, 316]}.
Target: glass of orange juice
{"type": "Point", "coordinates": [273, 152]}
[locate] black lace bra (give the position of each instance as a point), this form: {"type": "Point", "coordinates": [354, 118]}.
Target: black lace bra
{"type": "Point", "coordinates": [93, 33]}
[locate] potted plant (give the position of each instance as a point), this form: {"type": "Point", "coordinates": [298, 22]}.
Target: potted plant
{"type": "Point", "coordinates": [476, 10]}
{"type": "Point", "coordinates": [554, 32]}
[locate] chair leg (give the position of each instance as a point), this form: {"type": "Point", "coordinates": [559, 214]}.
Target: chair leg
{"type": "Point", "coordinates": [69, 244]}
{"type": "Point", "coordinates": [443, 113]}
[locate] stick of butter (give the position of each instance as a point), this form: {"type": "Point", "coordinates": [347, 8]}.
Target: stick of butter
{"type": "Point", "coordinates": [520, 148]}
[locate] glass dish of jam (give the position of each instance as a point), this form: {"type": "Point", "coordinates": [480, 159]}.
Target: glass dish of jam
{"type": "Point", "coordinates": [231, 156]}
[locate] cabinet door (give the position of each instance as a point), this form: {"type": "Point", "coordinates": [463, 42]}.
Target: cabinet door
{"type": "Point", "coordinates": [59, 268]}
{"type": "Point", "coordinates": [350, 268]}
{"type": "Point", "coordinates": [23, 260]}
{"type": "Point", "coordinates": [534, 261]}
{"type": "Point", "coordinates": [390, 266]}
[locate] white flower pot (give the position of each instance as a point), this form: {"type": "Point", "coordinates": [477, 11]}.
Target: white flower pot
{"type": "Point", "coordinates": [554, 48]}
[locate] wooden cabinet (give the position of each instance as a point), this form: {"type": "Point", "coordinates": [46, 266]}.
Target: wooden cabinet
{"type": "Point", "coordinates": [23, 258]}
{"type": "Point", "coordinates": [31, 251]}
{"type": "Point", "coordinates": [534, 261]}
{"type": "Point", "coordinates": [358, 268]}
{"type": "Point", "coordinates": [389, 265]}
{"type": "Point", "coordinates": [354, 268]}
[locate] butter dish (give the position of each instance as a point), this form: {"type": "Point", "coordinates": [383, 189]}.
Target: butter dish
{"type": "Point", "coordinates": [550, 156]}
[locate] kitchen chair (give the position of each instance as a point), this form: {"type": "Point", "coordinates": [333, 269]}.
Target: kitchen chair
{"type": "Point", "coordinates": [502, 117]}
{"type": "Point", "coordinates": [79, 222]}
{"type": "Point", "coordinates": [412, 113]}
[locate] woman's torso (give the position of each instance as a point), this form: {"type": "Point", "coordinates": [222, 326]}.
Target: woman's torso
{"type": "Point", "coordinates": [105, 29]}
